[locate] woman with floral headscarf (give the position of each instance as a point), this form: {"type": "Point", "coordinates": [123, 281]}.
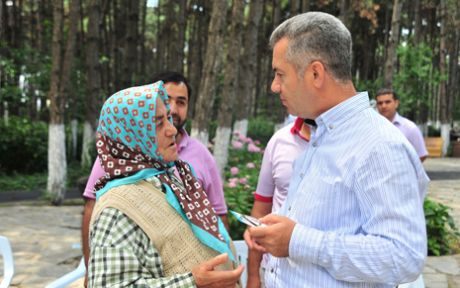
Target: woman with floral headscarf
{"type": "Point", "coordinates": [152, 225]}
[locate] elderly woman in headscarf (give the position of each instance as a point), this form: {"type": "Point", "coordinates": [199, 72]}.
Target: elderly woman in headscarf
{"type": "Point", "coordinates": [153, 225]}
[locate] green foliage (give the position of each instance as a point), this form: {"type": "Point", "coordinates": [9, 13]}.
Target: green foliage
{"type": "Point", "coordinates": [239, 187]}
{"type": "Point", "coordinates": [415, 76]}
{"type": "Point", "coordinates": [371, 86]}
{"type": "Point", "coordinates": [261, 128]}
{"type": "Point", "coordinates": [441, 229]}
{"type": "Point", "coordinates": [24, 182]}
{"type": "Point", "coordinates": [23, 146]}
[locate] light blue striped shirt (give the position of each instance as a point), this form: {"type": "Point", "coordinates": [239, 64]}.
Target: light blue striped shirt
{"type": "Point", "coordinates": [357, 197]}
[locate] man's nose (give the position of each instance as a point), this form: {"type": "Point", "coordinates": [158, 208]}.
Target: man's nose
{"type": "Point", "coordinates": [173, 107]}
{"type": "Point", "coordinates": [275, 86]}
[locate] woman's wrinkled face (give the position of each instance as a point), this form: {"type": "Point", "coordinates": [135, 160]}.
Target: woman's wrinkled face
{"type": "Point", "coordinates": [166, 132]}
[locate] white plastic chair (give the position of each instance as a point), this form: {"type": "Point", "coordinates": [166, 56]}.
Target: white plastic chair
{"type": "Point", "coordinates": [8, 263]}
{"type": "Point", "coordinates": [242, 256]}
{"type": "Point", "coordinates": [418, 283]}
{"type": "Point", "coordinates": [70, 277]}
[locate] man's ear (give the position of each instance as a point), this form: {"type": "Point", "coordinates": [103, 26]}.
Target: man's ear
{"type": "Point", "coordinates": [318, 72]}
{"type": "Point", "coordinates": [397, 103]}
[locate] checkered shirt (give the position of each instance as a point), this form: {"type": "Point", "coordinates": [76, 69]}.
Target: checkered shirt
{"type": "Point", "coordinates": [123, 255]}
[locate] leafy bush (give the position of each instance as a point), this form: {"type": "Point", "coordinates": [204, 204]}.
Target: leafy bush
{"type": "Point", "coordinates": [23, 146]}
{"type": "Point", "coordinates": [441, 229]}
{"type": "Point", "coordinates": [261, 128]}
{"type": "Point", "coordinates": [241, 174]}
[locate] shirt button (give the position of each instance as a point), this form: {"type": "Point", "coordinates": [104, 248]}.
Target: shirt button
{"type": "Point", "coordinates": [289, 209]}
{"type": "Point", "coordinates": [331, 126]}
{"type": "Point", "coordinates": [272, 270]}
{"type": "Point", "coordinates": [314, 144]}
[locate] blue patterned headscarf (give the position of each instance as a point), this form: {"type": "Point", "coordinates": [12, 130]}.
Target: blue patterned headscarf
{"type": "Point", "coordinates": [127, 146]}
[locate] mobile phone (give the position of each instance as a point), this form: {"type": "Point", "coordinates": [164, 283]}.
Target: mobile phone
{"type": "Point", "coordinates": [246, 219]}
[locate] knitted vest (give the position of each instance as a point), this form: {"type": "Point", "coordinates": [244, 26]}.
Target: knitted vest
{"type": "Point", "coordinates": [146, 205]}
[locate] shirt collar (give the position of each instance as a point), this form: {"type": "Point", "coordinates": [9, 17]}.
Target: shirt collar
{"type": "Point", "coordinates": [340, 113]}
{"type": "Point", "coordinates": [295, 129]}
{"type": "Point", "coordinates": [397, 119]}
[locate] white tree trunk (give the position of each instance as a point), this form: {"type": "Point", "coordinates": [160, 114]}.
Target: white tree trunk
{"type": "Point", "coordinates": [88, 143]}
{"type": "Point", "coordinates": [201, 136]}
{"type": "Point", "coordinates": [445, 135]}
{"type": "Point", "coordinates": [6, 117]}
{"type": "Point", "coordinates": [57, 163]}
{"type": "Point", "coordinates": [241, 126]}
{"type": "Point", "coordinates": [221, 147]}
{"type": "Point", "coordinates": [74, 129]}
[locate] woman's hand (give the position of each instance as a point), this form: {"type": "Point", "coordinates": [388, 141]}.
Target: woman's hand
{"type": "Point", "coordinates": [206, 277]}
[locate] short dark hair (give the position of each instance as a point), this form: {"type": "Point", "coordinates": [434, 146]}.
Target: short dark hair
{"type": "Point", "coordinates": [172, 76]}
{"type": "Point", "coordinates": [384, 91]}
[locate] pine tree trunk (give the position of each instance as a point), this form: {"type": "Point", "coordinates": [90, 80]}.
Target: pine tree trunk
{"type": "Point", "coordinates": [417, 22]}
{"type": "Point", "coordinates": [393, 40]}
{"type": "Point", "coordinates": [88, 144]}
{"type": "Point", "coordinates": [2, 20]}
{"type": "Point", "coordinates": [119, 44]}
{"type": "Point", "coordinates": [210, 71]}
{"type": "Point", "coordinates": [198, 39]}
{"type": "Point", "coordinates": [305, 6]}
{"type": "Point", "coordinates": [60, 80]}
{"type": "Point", "coordinates": [57, 164]}
{"type": "Point", "coordinates": [182, 27]}
{"type": "Point", "coordinates": [294, 9]}
{"type": "Point", "coordinates": [229, 93]}
{"type": "Point", "coordinates": [93, 96]}
{"type": "Point", "coordinates": [143, 60]}
{"type": "Point", "coordinates": [159, 56]}
{"type": "Point", "coordinates": [344, 12]}
{"type": "Point", "coordinates": [454, 53]}
{"type": "Point", "coordinates": [69, 55]}
{"type": "Point", "coordinates": [106, 46]}
{"type": "Point", "coordinates": [74, 130]}
{"type": "Point", "coordinates": [130, 44]}
{"type": "Point", "coordinates": [248, 68]}
{"type": "Point", "coordinates": [444, 116]}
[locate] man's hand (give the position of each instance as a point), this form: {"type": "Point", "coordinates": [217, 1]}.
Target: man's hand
{"type": "Point", "coordinates": [205, 276]}
{"type": "Point", "coordinates": [252, 244]}
{"type": "Point", "coordinates": [273, 238]}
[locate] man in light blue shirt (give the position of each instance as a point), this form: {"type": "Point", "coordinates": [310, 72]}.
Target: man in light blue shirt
{"type": "Point", "coordinates": [353, 216]}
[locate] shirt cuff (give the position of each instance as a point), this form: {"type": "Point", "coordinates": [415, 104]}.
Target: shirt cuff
{"type": "Point", "coordinates": [305, 244]}
{"type": "Point", "coordinates": [89, 194]}
{"type": "Point", "coordinates": [264, 199]}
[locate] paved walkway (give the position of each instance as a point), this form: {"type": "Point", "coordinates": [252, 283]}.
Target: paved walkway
{"type": "Point", "coordinates": [45, 239]}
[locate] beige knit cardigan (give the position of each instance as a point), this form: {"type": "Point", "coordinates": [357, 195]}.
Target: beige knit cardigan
{"type": "Point", "coordinates": [146, 205]}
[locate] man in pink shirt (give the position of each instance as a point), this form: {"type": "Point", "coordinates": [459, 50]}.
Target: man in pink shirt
{"type": "Point", "coordinates": [387, 105]}
{"type": "Point", "coordinates": [189, 149]}
{"type": "Point", "coordinates": [274, 178]}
